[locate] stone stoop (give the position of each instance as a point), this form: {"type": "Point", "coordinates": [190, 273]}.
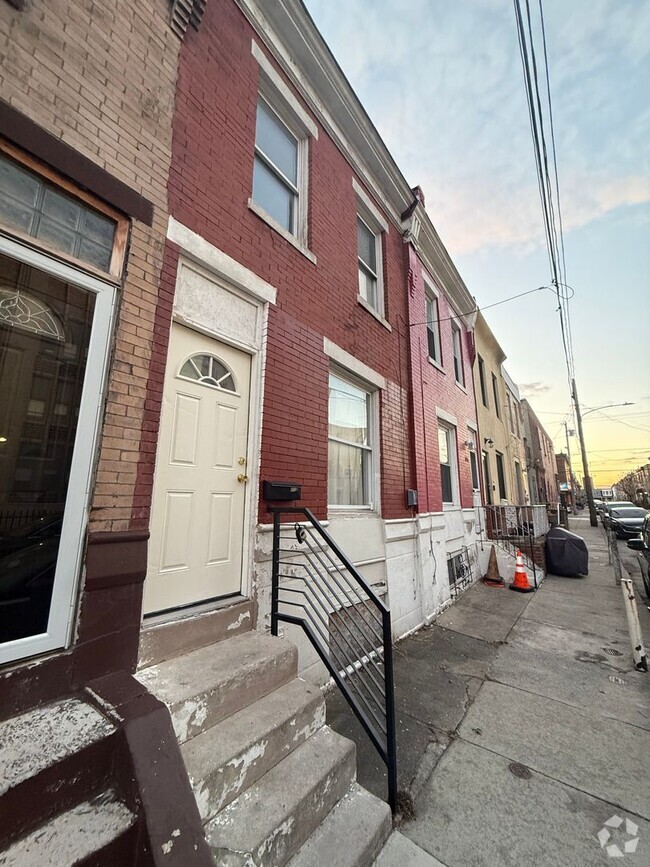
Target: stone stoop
{"type": "Point", "coordinates": [57, 802]}
{"type": "Point", "coordinates": [274, 785]}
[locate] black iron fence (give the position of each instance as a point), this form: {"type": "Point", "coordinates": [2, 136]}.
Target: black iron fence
{"type": "Point", "coordinates": [520, 528]}
{"type": "Point", "coordinates": [316, 587]}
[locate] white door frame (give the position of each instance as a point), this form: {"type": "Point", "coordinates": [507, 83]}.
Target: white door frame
{"type": "Point", "coordinates": [75, 516]}
{"type": "Point", "coordinates": [217, 296]}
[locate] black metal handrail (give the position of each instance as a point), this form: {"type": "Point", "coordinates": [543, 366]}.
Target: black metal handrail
{"type": "Point", "coordinates": [316, 587]}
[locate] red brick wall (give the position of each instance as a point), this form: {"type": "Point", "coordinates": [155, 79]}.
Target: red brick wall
{"type": "Point", "coordinates": [209, 188]}
{"type": "Point", "coordinates": [432, 388]}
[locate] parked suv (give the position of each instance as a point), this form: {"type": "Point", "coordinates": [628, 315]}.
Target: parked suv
{"type": "Point", "coordinates": [642, 545]}
{"type": "Point", "coordinates": [615, 504]}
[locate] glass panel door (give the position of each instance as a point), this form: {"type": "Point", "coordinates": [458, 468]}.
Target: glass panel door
{"type": "Point", "coordinates": [45, 327]}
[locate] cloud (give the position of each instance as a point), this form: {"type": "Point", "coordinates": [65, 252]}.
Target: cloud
{"type": "Point", "coordinates": [534, 388]}
{"type": "Point", "coordinates": [444, 85]}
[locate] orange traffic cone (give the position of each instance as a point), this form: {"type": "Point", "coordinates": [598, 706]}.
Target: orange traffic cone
{"type": "Point", "coordinates": [521, 578]}
{"type": "Point", "coordinates": [492, 577]}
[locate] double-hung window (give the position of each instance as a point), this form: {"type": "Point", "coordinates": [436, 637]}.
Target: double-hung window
{"type": "Point", "coordinates": [473, 461]}
{"type": "Point", "coordinates": [495, 393]}
{"type": "Point", "coordinates": [275, 173]}
{"type": "Point", "coordinates": [371, 227]}
{"type": "Point", "coordinates": [350, 443]}
{"type": "Point", "coordinates": [458, 353]}
{"type": "Point", "coordinates": [481, 377]}
{"type": "Point", "coordinates": [280, 168]}
{"type": "Point", "coordinates": [433, 327]}
{"type": "Point", "coordinates": [501, 476]}
{"type": "Point", "coordinates": [448, 464]}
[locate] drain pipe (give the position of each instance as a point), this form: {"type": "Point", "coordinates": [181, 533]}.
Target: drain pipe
{"type": "Point", "coordinates": [633, 625]}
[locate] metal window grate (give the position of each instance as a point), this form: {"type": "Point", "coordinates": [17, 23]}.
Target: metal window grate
{"type": "Point", "coordinates": [459, 571]}
{"type": "Point", "coordinates": [185, 12]}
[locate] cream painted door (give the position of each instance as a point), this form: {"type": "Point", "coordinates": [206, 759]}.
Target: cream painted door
{"type": "Point", "coordinates": [197, 525]}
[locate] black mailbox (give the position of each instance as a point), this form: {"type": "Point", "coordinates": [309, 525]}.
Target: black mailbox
{"type": "Point", "coordinates": [281, 491]}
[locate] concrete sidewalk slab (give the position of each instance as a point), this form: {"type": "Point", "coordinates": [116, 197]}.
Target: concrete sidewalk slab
{"type": "Point", "coordinates": [542, 659]}
{"type": "Point", "coordinates": [474, 812]}
{"type": "Point", "coordinates": [603, 757]}
{"type": "Point", "coordinates": [468, 620]}
{"type": "Point", "coordinates": [580, 612]}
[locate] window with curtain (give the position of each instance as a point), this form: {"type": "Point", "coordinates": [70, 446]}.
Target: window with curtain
{"type": "Point", "coordinates": [350, 446]}
{"type": "Point", "coordinates": [447, 450]}
{"type": "Point", "coordinates": [433, 327]}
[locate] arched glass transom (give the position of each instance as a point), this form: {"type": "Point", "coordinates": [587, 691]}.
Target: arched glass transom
{"type": "Point", "coordinates": [22, 310]}
{"type": "Point", "coordinates": [208, 370]}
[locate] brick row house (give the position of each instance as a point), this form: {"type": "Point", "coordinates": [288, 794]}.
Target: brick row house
{"type": "Point", "coordinates": [214, 276]}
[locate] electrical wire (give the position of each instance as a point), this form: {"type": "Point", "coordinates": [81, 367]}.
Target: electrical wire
{"type": "Point", "coordinates": [478, 309]}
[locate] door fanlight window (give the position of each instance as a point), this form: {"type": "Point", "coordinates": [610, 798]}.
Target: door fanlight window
{"type": "Point", "coordinates": [21, 310]}
{"type": "Point", "coordinates": [208, 370]}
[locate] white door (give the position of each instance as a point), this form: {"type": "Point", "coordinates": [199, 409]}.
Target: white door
{"type": "Point", "coordinates": [197, 524]}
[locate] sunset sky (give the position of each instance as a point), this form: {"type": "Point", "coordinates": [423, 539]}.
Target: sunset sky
{"type": "Point", "coordinates": [443, 84]}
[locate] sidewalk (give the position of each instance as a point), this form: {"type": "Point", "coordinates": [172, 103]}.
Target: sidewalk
{"type": "Point", "coordinates": [522, 725]}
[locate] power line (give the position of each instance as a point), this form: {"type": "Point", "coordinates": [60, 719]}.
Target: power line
{"type": "Point", "coordinates": [477, 308]}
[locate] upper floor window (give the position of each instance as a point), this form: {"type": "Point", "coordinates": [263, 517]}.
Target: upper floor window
{"type": "Point", "coordinates": [482, 382]}
{"type": "Point", "coordinates": [280, 169]}
{"type": "Point", "coordinates": [369, 254]}
{"type": "Point", "coordinates": [32, 207]}
{"type": "Point", "coordinates": [275, 174]}
{"type": "Point", "coordinates": [433, 327]}
{"type": "Point", "coordinates": [495, 393]}
{"type": "Point", "coordinates": [448, 464]}
{"type": "Point", "coordinates": [458, 354]}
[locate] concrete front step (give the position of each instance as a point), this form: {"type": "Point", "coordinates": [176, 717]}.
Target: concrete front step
{"type": "Point", "coordinates": [208, 685]}
{"type": "Point", "coordinates": [226, 759]}
{"type": "Point", "coordinates": [399, 851]}
{"type": "Point", "coordinates": [51, 757]}
{"type": "Point", "coordinates": [101, 832]}
{"type": "Point", "coordinates": [351, 835]}
{"type": "Point", "coordinates": [162, 641]}
{"type": "Point", "coordinates": [266, 825]}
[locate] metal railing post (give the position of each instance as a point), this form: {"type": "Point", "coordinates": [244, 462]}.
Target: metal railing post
{"type": "Point", "coordinates": [275, 572]}
{"type": "Point", "coordinates": [391, 739]}
{"type": "Point", "coordinates": [532, 557]}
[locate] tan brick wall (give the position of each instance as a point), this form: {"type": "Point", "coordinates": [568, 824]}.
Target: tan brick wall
{"type": "Point", "coordinates": [100, 75]}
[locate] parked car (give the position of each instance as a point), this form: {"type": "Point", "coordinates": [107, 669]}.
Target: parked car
{"type": "Point", "coordinates": [642, 545]}
{"type": "Point", "coordinates": [616, 504]}
{"type": "Point", "coordinates": [626, 521]}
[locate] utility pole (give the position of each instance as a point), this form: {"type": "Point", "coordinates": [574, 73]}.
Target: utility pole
{"type": "Point", "coordinates": [593, 519]}
{"type": "Point", "coordinates": [568, 454]}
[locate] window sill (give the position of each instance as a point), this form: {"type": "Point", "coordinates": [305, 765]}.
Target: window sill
{"type": "Point", "coordinates": [461, 386]}
{"type": "Point", "coordinates": [362, 301]}
{"type": "Point", "coordinates": [261, 213]}
{"type": "Point", "coordinates": [435, 364]}
{"type": "Point", "coordinates": [450, 507]}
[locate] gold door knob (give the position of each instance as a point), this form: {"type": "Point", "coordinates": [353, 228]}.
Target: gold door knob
{"type": "Point", "coordinates": [242, 478]}
{"type": "Point", "coordinates": [241, 461]}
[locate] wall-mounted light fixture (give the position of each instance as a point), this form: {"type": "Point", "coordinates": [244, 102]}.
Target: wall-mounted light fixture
{"type": "Point", "coordinates": [488, 442]}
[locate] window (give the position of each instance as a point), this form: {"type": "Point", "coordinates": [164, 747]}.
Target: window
{"type": "Point", "coordinates": [458, 354]}
{"type": "Point", "coordinates": [520, 483]}
{"type": "Point", "coordinates": [495, 392]}
{"type": "Point", "coordinates": [369, 253]}
{"type": "Point", "coordinates": [473, 461]}
{"type": "Point", "coordinates": [447, 450]}
{"type": "Point", "coordinates": [501, 476]}
{"type": "Point", "coordinates": [275, 172]}
{"type": "Point", "coordinates": [208, 370]}
{"type": "Point", "coordinates": [509, 408]}
{"type": "Point", "coordinates": [433, 327]}
{"type": "Point", "coordinates": [487, 478]}
{"type": "Point", "coordinates": [481, 376]}
{"type": "Point", "coordinates": [33, 207]}
{"type": "Point", "coordinates": [350, 445]}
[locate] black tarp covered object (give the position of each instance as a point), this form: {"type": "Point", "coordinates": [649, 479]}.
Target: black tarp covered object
{"type": "Point", "coordinates": [566, 553]}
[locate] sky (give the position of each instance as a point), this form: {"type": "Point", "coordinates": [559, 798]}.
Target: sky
{"type": "Point", "coordinates": [443, 84]}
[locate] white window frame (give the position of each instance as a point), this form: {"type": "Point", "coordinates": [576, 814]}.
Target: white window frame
{"type": "Point", "coordinates": [283, 104]}
{"type": "Point", "coordinates": [472, 449]}
{"type": "Point", "coordinates": [75, 515]}
{"type": "Point", "coordinates": [373, 434]}
{"type": "Point", "coordinates": [431, 296]}
{"type": "Point", "coordinates": [451, 432]}
{"type": "Point", "coordinates": [500, 460]}
{"type": "Point", "coordinates": [457, 343]}
{"type": "Point", "coordinates": [372, 218]}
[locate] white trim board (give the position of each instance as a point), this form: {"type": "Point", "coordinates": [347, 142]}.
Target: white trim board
{"type": "Point", "coordinates": [274, 80]}
{"type": "Point", "coordinates": [446, 416]}
{"type": "Point", "coordinates": [349, 362]}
